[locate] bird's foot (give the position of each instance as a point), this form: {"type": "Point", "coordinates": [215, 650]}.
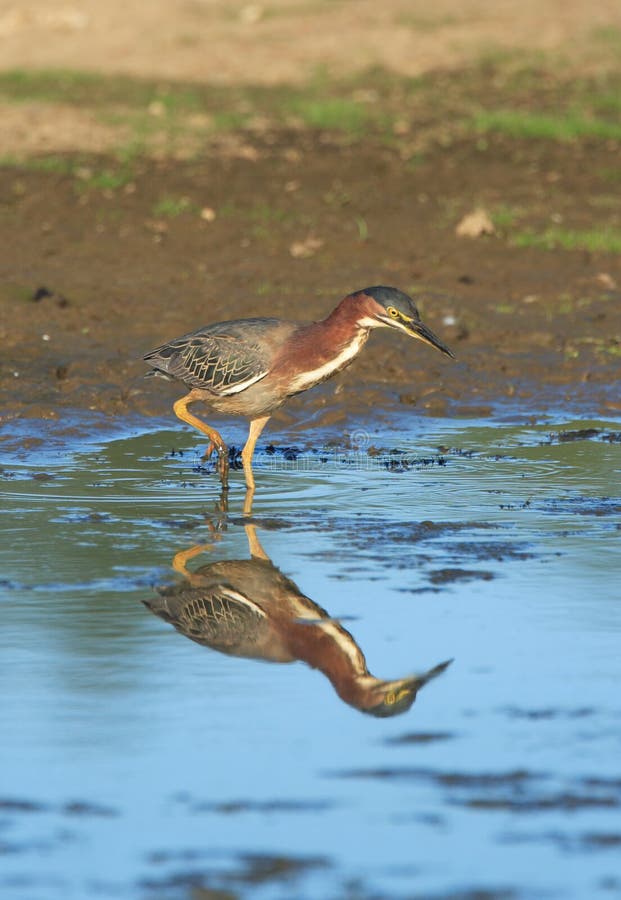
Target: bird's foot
{"type": "Point", "coordinates": [207, 454]}
{"type": "Point", "coordinates": [223, 466]}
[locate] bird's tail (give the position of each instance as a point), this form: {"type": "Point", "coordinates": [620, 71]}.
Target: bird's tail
{"type": "Point", "coordinates": [158, 373]}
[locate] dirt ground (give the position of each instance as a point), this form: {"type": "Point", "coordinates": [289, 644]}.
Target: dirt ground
{"type": "Point", "coordinates": [101, 260]}
{"type": "Point", "coordinates": [231, 41]}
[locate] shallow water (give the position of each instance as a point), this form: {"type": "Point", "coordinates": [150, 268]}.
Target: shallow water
{"type": "Point", "coordinates": [138, 763]}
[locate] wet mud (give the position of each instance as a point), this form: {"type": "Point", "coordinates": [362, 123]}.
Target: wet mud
{"type": "Point", "coordinates": [90, 281]}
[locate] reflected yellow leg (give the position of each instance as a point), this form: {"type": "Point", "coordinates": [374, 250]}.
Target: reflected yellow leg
{"type": "Point", "coordinates": [254, 544]}
{"type": "Point", "coordinates": [181, 411]}
{"type": "Point", "coordinates": [248, 501]}
{"type": "Point", "coordinates": [222, 504]}
{"type": "Point", "coordinates": [181, 559]}
{"type": "Point", "coordinates": [256, 427]}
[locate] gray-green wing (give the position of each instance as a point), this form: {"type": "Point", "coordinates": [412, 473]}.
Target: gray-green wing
{"type": "Point", "coordinates": [219, 358]}
{"type": "Point", "coordinates": [222, 618]}
{"type": "Point", "coordinates": [216, 615]}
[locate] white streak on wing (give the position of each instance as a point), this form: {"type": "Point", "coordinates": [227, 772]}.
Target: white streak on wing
{"type": "Point", "coordinates": [308, 379]}
{"type": "Point", "coordinates": [240, 598]}
{"type": "Point", "coordinates": [345, 642]}
{"type": "Point", "coordinates": [242, 385]}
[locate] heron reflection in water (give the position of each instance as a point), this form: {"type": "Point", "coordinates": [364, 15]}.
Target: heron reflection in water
{"type": "Point", "coordinates": [249, 608]}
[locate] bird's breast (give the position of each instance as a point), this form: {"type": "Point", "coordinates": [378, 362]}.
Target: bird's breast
{"type": "Point", "coordinates": [320, 368]}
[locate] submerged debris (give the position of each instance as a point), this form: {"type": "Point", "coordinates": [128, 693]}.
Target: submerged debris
{"type": "Point", "coordinates": [583, 434]}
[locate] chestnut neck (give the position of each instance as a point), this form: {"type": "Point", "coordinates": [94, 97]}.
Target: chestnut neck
{"type": "Point", "coordinates": [335, 653]}
{"type": "Point", "coordinates": [348, 316]}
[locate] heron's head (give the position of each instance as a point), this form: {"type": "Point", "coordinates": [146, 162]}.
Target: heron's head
{"type": "Point", "coordinates": [390, 307]}
{"type": "Point", "coordinates": [391, 698]}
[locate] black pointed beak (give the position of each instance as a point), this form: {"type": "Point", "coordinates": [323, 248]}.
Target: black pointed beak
{"type": "Point", "coordinates": [400, 695]}
{"type": "Point", "coordinates": [426, 335]}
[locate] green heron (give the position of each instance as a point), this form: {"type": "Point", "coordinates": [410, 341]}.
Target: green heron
{"type": "Point", "coordinates": [248, 608]}
{"type": "Point", "coordinates": [250, 367]}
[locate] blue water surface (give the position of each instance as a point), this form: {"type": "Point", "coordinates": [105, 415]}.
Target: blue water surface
{"type": "Point", "coordinates": [138, 763]}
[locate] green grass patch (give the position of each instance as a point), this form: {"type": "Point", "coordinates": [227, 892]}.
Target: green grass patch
{"type": "Point", "coordinates": [613, 176]}
{"type": "Point", "coordinates": [153, 105]}
{"type": "Point", "coordinates": [263, 212]}
{"type": "Point", "coordinates": [608, 36]}
{"type": "Point", "coordinates": [171, 207]}
{"type": "Point", "coordinates": [265, 219]}
{"type": "Point", "coordinates": [330, 113]}
{"type": "Point", "coordinates": [563, 127]}
{"type": "Point", "coordinates": [505, 217]}
{"type": "Point", "coordinates": [511, 94]}
{"type": "Point", "coordinates": [288, 10]}
{"type": "Point", "coordinates": [427, 23]}
{"type": "Point", "coordinates": [229, 120]}
{"type": "Point", "coordinates": [90, 89]}
{"type": "Point", "coordinates": [595, 240]}
{"type": "Point", "coordinates": [48, 85]}
{"type": "Point", "coordinates": [104, 179]}
{"type": "Point", "coordinates": [86, 171]}
{"type": "Point", "coordinates": [56, 165]}
{"type": "Point", "coordinates": [608, 102]}
{"type": "Point", "coordinates": [363, 228]}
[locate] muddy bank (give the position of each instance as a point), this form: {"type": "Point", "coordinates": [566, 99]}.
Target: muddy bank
{"type": "Point", "coordinates": [94, 276]}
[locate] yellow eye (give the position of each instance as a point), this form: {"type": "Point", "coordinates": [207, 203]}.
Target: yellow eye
{"type": "Point", "coordinates": [392, 312]}
{"type": "Point", "coordinates": [393, 697]}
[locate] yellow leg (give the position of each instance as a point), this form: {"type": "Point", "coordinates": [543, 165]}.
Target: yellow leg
{"type": "Point", "coordinates": [254, 544]}
{"type": "Point", "coordinates": [181, 411]}
{"type": "Point", "coordinates": [256, 427]}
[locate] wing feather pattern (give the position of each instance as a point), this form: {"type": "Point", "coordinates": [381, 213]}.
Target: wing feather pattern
{"type": "Point", "coordinates": [218, 358]}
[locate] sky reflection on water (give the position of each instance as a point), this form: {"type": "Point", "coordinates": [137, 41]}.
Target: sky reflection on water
{"type": "Point", "coordinates": [124, 741]}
